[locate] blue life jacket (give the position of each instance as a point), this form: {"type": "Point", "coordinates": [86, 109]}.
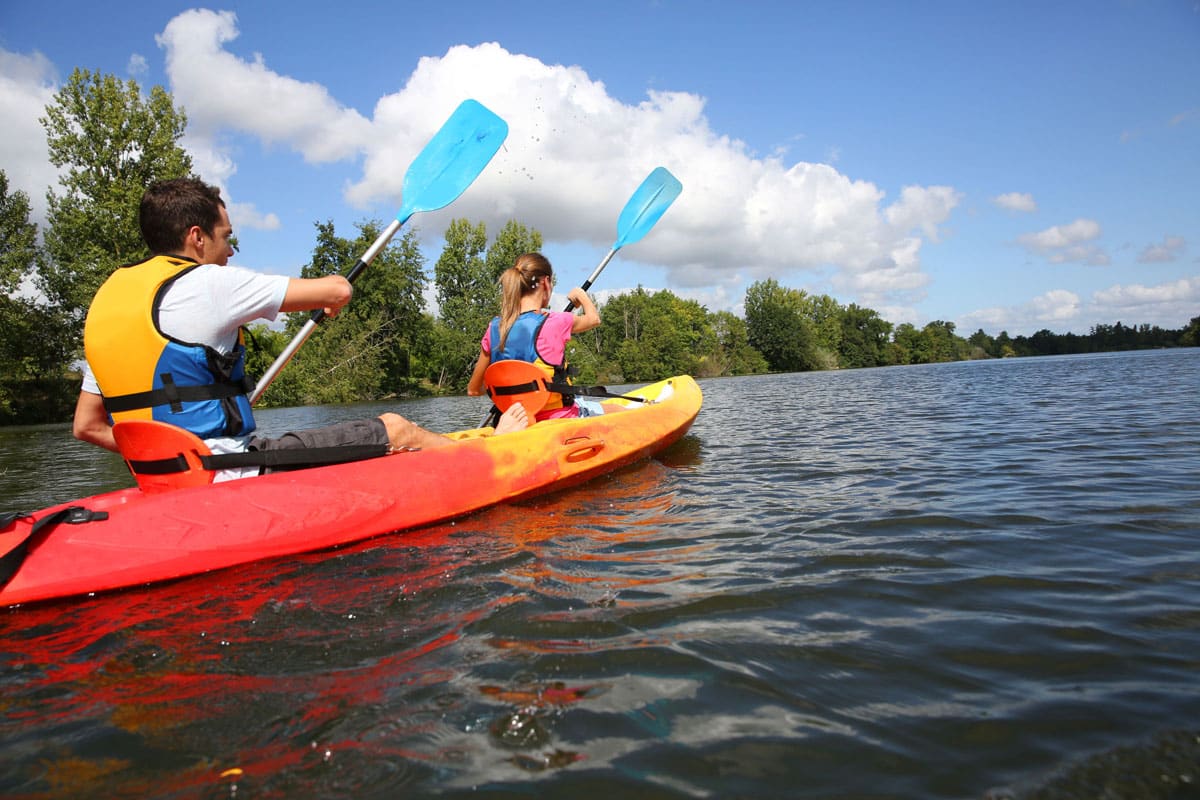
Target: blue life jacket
{"type": "Point", "coordinates": [521, 344]}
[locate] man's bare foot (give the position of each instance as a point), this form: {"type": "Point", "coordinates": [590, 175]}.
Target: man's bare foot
{"type": "Point", "coordinates": [515, 419]}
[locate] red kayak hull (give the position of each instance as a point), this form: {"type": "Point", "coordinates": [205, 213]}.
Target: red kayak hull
{"type": "Point", "coordinates": [156, 537]}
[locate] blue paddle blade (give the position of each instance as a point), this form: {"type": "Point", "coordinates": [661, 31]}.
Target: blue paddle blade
{"type": "Point", "coordinates": [452, 160]}
{"type": "Point", "coordinates": [648, 203]}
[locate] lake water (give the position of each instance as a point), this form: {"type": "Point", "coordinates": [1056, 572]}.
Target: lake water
{"type": "Point", "coordinates": [969, 580]}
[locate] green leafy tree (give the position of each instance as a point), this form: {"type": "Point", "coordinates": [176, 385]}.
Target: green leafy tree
{"type": "Point", "coordinates": [826, 315]}
{"type": "Point", "coordinates": [18, 238]}
{"type": "Point", "coordinates": [462, 275]}
{"type": "Point", "coordinates": [467, 299]}
{"type": "Point", "coordinates": [109, 142]}
{"type": "Point", "coordinates": [1190, 335]}
{"type": "Point", "coordinates": [779, 327]}
{"type": "Point", "coordinates": [364, 353]}
{"type": "Point", "coordinates": [734, 355]}
{"type": "Point", "coordinates": [1004, 346]}
{"type": "Point", "coordinates": [944, 345]}
{"type": "Point", "coordinates": [513, 240]}
{"type": "Point", "coordinates": [263, 346]}
{"type": "Point", "coordinates": [934, 343]}
{"type": "Point", "coordinates": [388, 294]}
{"type": "Point", "coordinates": [864, 340]}
{"type": "Point", "coordinates": [982, 345]}
{"type": "Point", "coordinates": [909, 345]}
{"type": "Point", "coordinates": [33, 347]}
{"type": "Point", "coordinates": [649, 336]}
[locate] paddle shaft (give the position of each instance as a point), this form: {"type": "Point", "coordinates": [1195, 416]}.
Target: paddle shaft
{"type": "Point", "coordinates": [595, 274]}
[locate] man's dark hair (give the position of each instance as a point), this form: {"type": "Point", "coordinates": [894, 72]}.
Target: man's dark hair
{"type": "Point", "coordinates": [170, 208]}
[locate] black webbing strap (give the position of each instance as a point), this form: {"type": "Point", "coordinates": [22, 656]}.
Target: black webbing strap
{"type": "Point", "coordinates": [520, 388]}
{"type": "Point", "coordinates": [174, 396]}
{"type": "Point", "coordinates": [15, 557]}
{"type": "Point", "coordinates": [561, 388]}
{"type": "Point", "coordinates": [159, 466]}
{"type": "Point", "coordinates": [298, 458]}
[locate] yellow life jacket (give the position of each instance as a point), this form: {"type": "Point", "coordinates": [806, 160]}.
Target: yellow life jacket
{"type": "Point", "coordinates": [145, 374]}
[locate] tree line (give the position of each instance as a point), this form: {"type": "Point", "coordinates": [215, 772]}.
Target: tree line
{"type": "Point", "coordinates": [110, 141]}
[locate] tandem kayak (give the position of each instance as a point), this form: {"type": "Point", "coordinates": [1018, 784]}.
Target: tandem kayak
{"type": "Point", "coordinates": [129, 537]}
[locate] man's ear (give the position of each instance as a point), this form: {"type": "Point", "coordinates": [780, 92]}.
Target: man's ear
{"type": "Point", "coordinates": [193, 240]}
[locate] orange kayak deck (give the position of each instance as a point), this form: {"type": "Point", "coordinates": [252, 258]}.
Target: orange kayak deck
{"type": "Point", "coordinates": [156, 537]}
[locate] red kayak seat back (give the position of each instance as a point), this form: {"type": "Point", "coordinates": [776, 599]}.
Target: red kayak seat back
{"type": "Point", "coordinates": [512, 380]}
{"type": "Point", "coordinates": [162, 457]}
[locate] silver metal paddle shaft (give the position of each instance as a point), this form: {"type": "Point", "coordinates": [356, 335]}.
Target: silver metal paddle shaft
{"type": "Point", "coordinates": [595, 274]}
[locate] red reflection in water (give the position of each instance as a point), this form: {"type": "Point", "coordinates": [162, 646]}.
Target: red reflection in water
{"type": "Point", "coordinates": [188, 667]}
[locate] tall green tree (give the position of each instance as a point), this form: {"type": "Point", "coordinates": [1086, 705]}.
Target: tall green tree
{"type": "Point", "coordinates": [652, 335]}
{"type": "Point", "coordinates": [982, 345]}
{"type": "Point", "coordinates": [18, 238]}
{"type": "Point", "coordinates": [909, 345]}
{"type": "Point", "coordinates": [779, 327]}
{"type": "Point", "coordinates": [513, 240]}
{"type": "Point", "coordinates": [1190, 335]}
{"type": "Point", "coordinates": [826, 315]}
{"type": "Point", "coordinates": [864, 338]}
{"type": "Point", "coordinates": [466, 288]}
{"type": "Point", "coordinates": [1004, 346]}
{"type": "Point", "coordinates": [33, 348]}
{"type": "Point", "coordinates": [734, 355]}
{"type": "Point", "coordinates": [388, 296]}
{"type": "Point", "coordinates": [944, 344]}
{"type": "Point", "coordinates": [109, 142]}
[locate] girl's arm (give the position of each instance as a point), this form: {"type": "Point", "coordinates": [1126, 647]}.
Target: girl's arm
{"type": "Point", "coordinates": [590, 317]}
{"type": "Point", "coordinates": [475, 386]}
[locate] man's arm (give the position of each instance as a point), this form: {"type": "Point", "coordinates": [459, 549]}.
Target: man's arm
{"type": "Point", "coordinates": [307, 294]}
{"type": "Point", "coordinates": [91, 422]}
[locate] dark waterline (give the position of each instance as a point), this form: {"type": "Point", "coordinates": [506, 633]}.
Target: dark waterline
{"type": "Point", "coordinates": [972, 580]}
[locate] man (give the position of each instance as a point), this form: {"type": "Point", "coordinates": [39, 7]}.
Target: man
{"type": "Point", "coordinates": [163, 340]}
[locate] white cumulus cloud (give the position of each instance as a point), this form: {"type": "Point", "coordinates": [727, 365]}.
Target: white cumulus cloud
{"type": "Point", "coordinates": [1070, 243]}
{"type": "Point", "coordinates": [27, 85]}
{"type": "Point", "coordinates": [1171, 249]}
{"type": "Point", "coordinates": [1168, 305]}
{"type": "Point", "coordinates": [1180, 299]}
{"type": "Point", "coordinates": [572, 158]}
{"type": "Point", "coordinates": [223, 92]}
{"type": "Point", "coordinates": [1016, 201]}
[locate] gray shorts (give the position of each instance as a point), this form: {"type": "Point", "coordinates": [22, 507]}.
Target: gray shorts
{"type": "Point", "coordinates": [355, 432]}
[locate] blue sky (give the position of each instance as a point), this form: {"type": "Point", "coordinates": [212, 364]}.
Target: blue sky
{"type": "Point", "coordinates": [1001, 165]}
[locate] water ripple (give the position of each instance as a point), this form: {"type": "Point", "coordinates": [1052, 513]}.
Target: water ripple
{"type": "Point", "coordinates": [962, 580]}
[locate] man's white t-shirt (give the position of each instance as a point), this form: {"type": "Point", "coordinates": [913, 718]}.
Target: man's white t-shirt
{"type": "Point", "coordinates": [207, 306]}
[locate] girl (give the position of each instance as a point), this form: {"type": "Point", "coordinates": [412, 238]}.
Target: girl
{"type": "Point", "coordinates": [527, 332]}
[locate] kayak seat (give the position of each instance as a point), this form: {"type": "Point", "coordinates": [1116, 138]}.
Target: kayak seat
{"type": "Point", "coordinates": [161, 456]}
{"type": "Point", "coordinates": [511, 380]}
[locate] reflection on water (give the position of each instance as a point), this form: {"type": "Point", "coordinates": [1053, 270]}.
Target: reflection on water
{"type": "Point", "coordinates": [963, 580]}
